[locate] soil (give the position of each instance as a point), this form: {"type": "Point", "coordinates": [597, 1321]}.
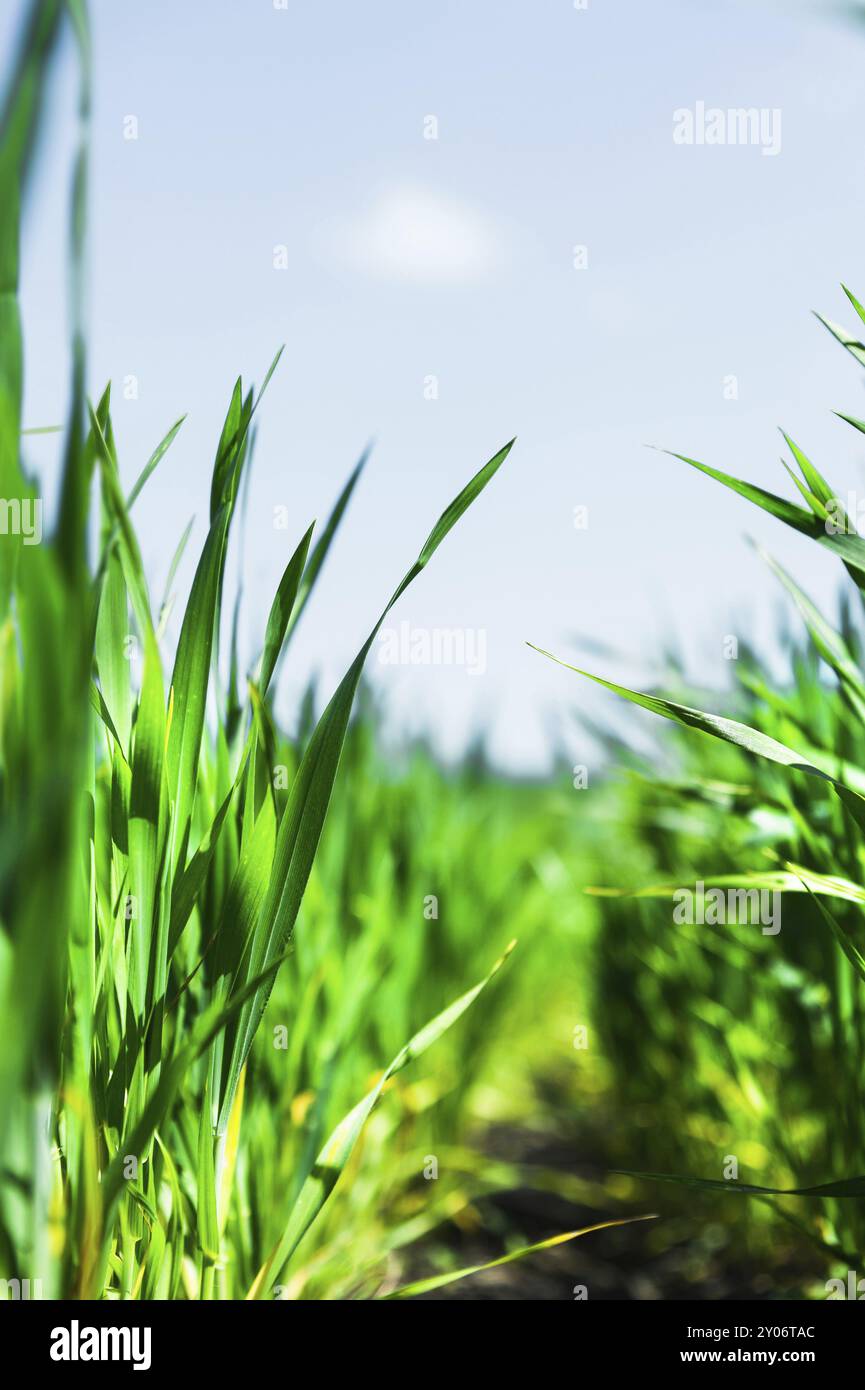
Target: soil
{"type": "Point", "coordinates": [692, 1252]}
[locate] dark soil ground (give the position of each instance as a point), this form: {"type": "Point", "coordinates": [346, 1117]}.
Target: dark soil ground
{"type": "Point", "coordinates": [694, 1251]}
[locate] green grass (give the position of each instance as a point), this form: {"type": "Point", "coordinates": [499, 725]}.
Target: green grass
{"type": "Point", "coordinates": [772, 1062]}
{"type": "Point", "coordinates": [254, 981]}
{"type": "Point", "coordinates": [183, 1079]}
{"type": "Point", "coordinates": [152, 872]}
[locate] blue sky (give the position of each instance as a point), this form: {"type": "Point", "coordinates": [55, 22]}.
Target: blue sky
{"type": "Point", "coordinates": [409, 258]}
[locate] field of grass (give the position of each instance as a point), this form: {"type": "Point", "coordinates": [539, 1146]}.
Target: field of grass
{"type": "Point", "coordinates": [265, 1032]}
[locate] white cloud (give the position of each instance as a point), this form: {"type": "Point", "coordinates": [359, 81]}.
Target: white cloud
{"type": "Point", "coordinates": [410, 233]}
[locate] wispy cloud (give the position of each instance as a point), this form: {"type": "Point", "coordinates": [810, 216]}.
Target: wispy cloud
{"type": "Point", "coordinates": [413, 234]}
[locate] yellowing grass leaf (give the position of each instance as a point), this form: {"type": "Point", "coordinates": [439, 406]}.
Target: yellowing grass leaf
{"type": "Point", "coordinates": [438, 1281]}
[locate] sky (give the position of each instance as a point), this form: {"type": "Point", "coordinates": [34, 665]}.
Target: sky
{"type": "Point", "coordinates": [467, 222]}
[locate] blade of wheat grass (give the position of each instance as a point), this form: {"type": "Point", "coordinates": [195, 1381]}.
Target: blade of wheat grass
{"type": "Point", "coordinates": [440, 1281]}
{"type": "Point", "coordinates": [336, 1152]}
{"type": "Point", "coordinates": [303, 818]}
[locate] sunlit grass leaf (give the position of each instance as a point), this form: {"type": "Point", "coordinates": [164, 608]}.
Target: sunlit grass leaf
{"type": "Point", "coordinates": [730, 730]}
{"type": "Point", "coordinates": [850, 341]}
{"type": "Point", "coordinates": [439, 1281]}
{"type": "Point", "coordinates": [793, 879]}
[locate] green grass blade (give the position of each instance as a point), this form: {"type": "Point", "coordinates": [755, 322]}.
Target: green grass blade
{"type": "Point", "coordinates": [793, 879]}
{"type": "Point", "coordinates": [19, 122]}
{"type": "Point", "coordinates": [440, 1281]}
{"type": "Point", "coordinates": [854, 345]}
{"type": "Point", "coordinates": [322, 546]}
{"type": "Point", "coordinates": [145, 848]}
{"type": "Point", "coordinates": [849, 547]}
{"type": "Point", "coordinates": [191, 677]}
{"type": "Point", "coordinates": [730, 730]}
{"type": "Point", "coordinates": [152, 463]}
{"type": "Point", "coordinates": [815, 481]}
{"type": "Point", "coordinates": [112, 647]}
{"type": "Point", "coordinates": [827, 641]}
{"type": "Point", "coordinates": [206, 1028]}
{"type": "Point", "coordinates": [336, 1152]}
{"type": "Point", "coordinates": [281, 612]}
{"type": "Point", "coordinates": [208, 1224]}
{"type": "Point", "coordinates": [843, 938]}
{"type": "Point", "coordinates": [845, 1187]}
{"type": "Point", "coordinates": [303, 819]}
